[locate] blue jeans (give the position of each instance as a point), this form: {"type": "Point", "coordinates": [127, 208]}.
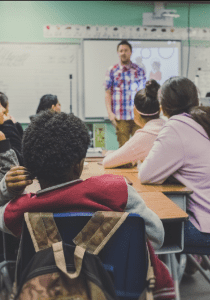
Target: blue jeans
{"type": "Point", "coordinates": [193, 237]}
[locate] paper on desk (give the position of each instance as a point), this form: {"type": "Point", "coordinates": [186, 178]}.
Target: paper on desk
{"type": "Point", "coordinates": [94, 150]}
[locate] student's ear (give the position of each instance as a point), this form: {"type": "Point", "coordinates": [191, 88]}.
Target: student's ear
{"type": "Point", "coordinates": [78, 168]}
{"type": "Point", "coordinates": [53, 107]}
{"type": "Point", "coordinates": [165, 114]}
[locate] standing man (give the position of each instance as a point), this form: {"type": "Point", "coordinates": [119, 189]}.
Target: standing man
{"type": "Point", "coordinates": [123, 80]}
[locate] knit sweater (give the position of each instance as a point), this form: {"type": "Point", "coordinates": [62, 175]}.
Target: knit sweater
{"type": "Point", "coordinates": [12, 132]}
{"type": "Point", "coordinates": [7, 157]}
{"type": "Point", "coordinates": [137, 147]}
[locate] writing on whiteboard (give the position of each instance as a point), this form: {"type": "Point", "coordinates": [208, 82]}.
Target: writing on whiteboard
{"type": "Point", "coordinates": [52, 59]}
{"type": "Point", "coordinates": [10, 58]}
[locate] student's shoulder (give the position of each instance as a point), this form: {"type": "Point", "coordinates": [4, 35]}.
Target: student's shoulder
{"type": "Point", "coordinates": [177, 122]}
{"type": "Point", "coordinates": [107, 183]}
{"type": "Point", "coordinates": [108, 180]}
{"type": "Point", "coordinates": [171, 130]}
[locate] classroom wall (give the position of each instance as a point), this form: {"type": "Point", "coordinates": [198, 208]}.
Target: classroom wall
{"type": "Point", "coordinates": [23, 21]}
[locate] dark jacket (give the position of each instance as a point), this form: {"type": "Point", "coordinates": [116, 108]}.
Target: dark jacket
{"type": "Point", "coordinates": [12, 133]}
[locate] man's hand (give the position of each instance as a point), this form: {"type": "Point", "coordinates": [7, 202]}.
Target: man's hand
{"type": "Point", "coordinates": [2, 136]}
{"type": "Point", "coordinates": [17, 179]}
{"type": "Point", "coordinates": [108, 101]}
{"type": "Point", "coordinates": [112, 118]}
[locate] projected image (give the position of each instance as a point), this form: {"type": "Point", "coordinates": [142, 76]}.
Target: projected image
{"type": "Point", "coordinates": [159, 63]}
{"type": "Point", "coordinates": [156, 72]}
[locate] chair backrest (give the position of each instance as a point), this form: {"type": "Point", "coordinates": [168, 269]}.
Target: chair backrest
{"type": "Point", "coordinates": [124, 256]}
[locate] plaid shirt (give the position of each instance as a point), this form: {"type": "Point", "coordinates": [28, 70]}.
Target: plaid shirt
{"type": "Point", "coordinates": [124, 82]}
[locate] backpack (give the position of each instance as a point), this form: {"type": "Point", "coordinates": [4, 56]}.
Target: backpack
{"type": "Point", "coordinates": [61, 271]}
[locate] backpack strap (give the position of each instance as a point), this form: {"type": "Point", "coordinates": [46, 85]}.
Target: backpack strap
{"type": "Point", "coordinates": [60, 259]}
{"type": "Point", "coordinates": [43, 230]}
{"type": "Point", "coordinates": [93, 237]}
{"type": "Point", "coordinates": [147, 292]}
{"type": "Point", "coordinates": [99, 229]}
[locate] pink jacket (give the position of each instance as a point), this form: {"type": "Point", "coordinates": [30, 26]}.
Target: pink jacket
{"type": "Point", "coordinates": [137, 148]}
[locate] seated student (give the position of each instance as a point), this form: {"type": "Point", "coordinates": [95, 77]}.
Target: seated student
{"type": "Point", "coordinates": [54, 149]}
{"type": "Point", "coordinates": [5, 103]}
{"type": "Point", "coordinates": [10, 130]}
{"type": "Point", "coordinates": [7, 155]}
{"type": "Point", "coordinates": [146, 115]}
{"type": "Point", "coordinates": [49, 102]}
{"type": "Point", "coordinates": [46, 102]}
{"type": "Point", "coordinates": [182, 150]}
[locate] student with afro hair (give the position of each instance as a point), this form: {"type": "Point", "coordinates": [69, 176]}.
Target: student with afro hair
{"type": "Point", "coordinates": [54, 150]}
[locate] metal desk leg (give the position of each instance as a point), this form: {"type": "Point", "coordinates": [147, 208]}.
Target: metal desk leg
{"type": "Point", "coordinates": [168, 262]}
{"type": "Point", "coordinates": [182, 266]}
{"type": "Point", "coordinates": [174, 275]}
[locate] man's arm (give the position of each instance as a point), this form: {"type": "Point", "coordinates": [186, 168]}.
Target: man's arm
{"type": "Point", "coordinates": [108, 101]}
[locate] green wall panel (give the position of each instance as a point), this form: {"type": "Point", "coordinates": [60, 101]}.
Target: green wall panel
{"type": "Point", "coordinates": [23, 21]}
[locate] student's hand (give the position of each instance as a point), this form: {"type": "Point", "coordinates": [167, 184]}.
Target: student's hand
{"type": "Point", "coordinates": [9, 117]}
{"type": "Point", "coordinates": [112, 118]}
{"type": "Point", "coordinates": [2, 136]}
{"type": "Point", "coordinates": [2, 111]}
{"type": "Point", "coordinates": [17, 179]}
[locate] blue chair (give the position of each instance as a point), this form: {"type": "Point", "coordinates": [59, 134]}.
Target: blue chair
{"type": "Point", "coordinates": [124, 256]}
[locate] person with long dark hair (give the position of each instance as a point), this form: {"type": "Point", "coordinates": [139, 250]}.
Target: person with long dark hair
{"type": "Point", "coordinates": [49, 101]}
{"type": "Point", "coordinates": [182, 150]}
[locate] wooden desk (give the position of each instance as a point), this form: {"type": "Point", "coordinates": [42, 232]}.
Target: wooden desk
{"type": "Point", "coordinates": [166, 209]}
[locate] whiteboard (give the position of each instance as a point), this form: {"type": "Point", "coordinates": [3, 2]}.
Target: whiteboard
{"type": "Point", "coordinates": [99, 55]}
{"type": "Point", "coordinates": [29, 71]}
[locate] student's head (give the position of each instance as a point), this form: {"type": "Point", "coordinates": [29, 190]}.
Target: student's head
{"type": "Point", "coordinates": [49, 102]}
{"type": "Point", "coordinates": [146, 104]}
{"type": "Point", "coordinates": [4, 102]}
{"type": "Point", "coordinates": [124, 50]}
{"type": "Point", "coordinates": [178, 95]}
{"type": "Point", "coordinates": [54, 147]}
